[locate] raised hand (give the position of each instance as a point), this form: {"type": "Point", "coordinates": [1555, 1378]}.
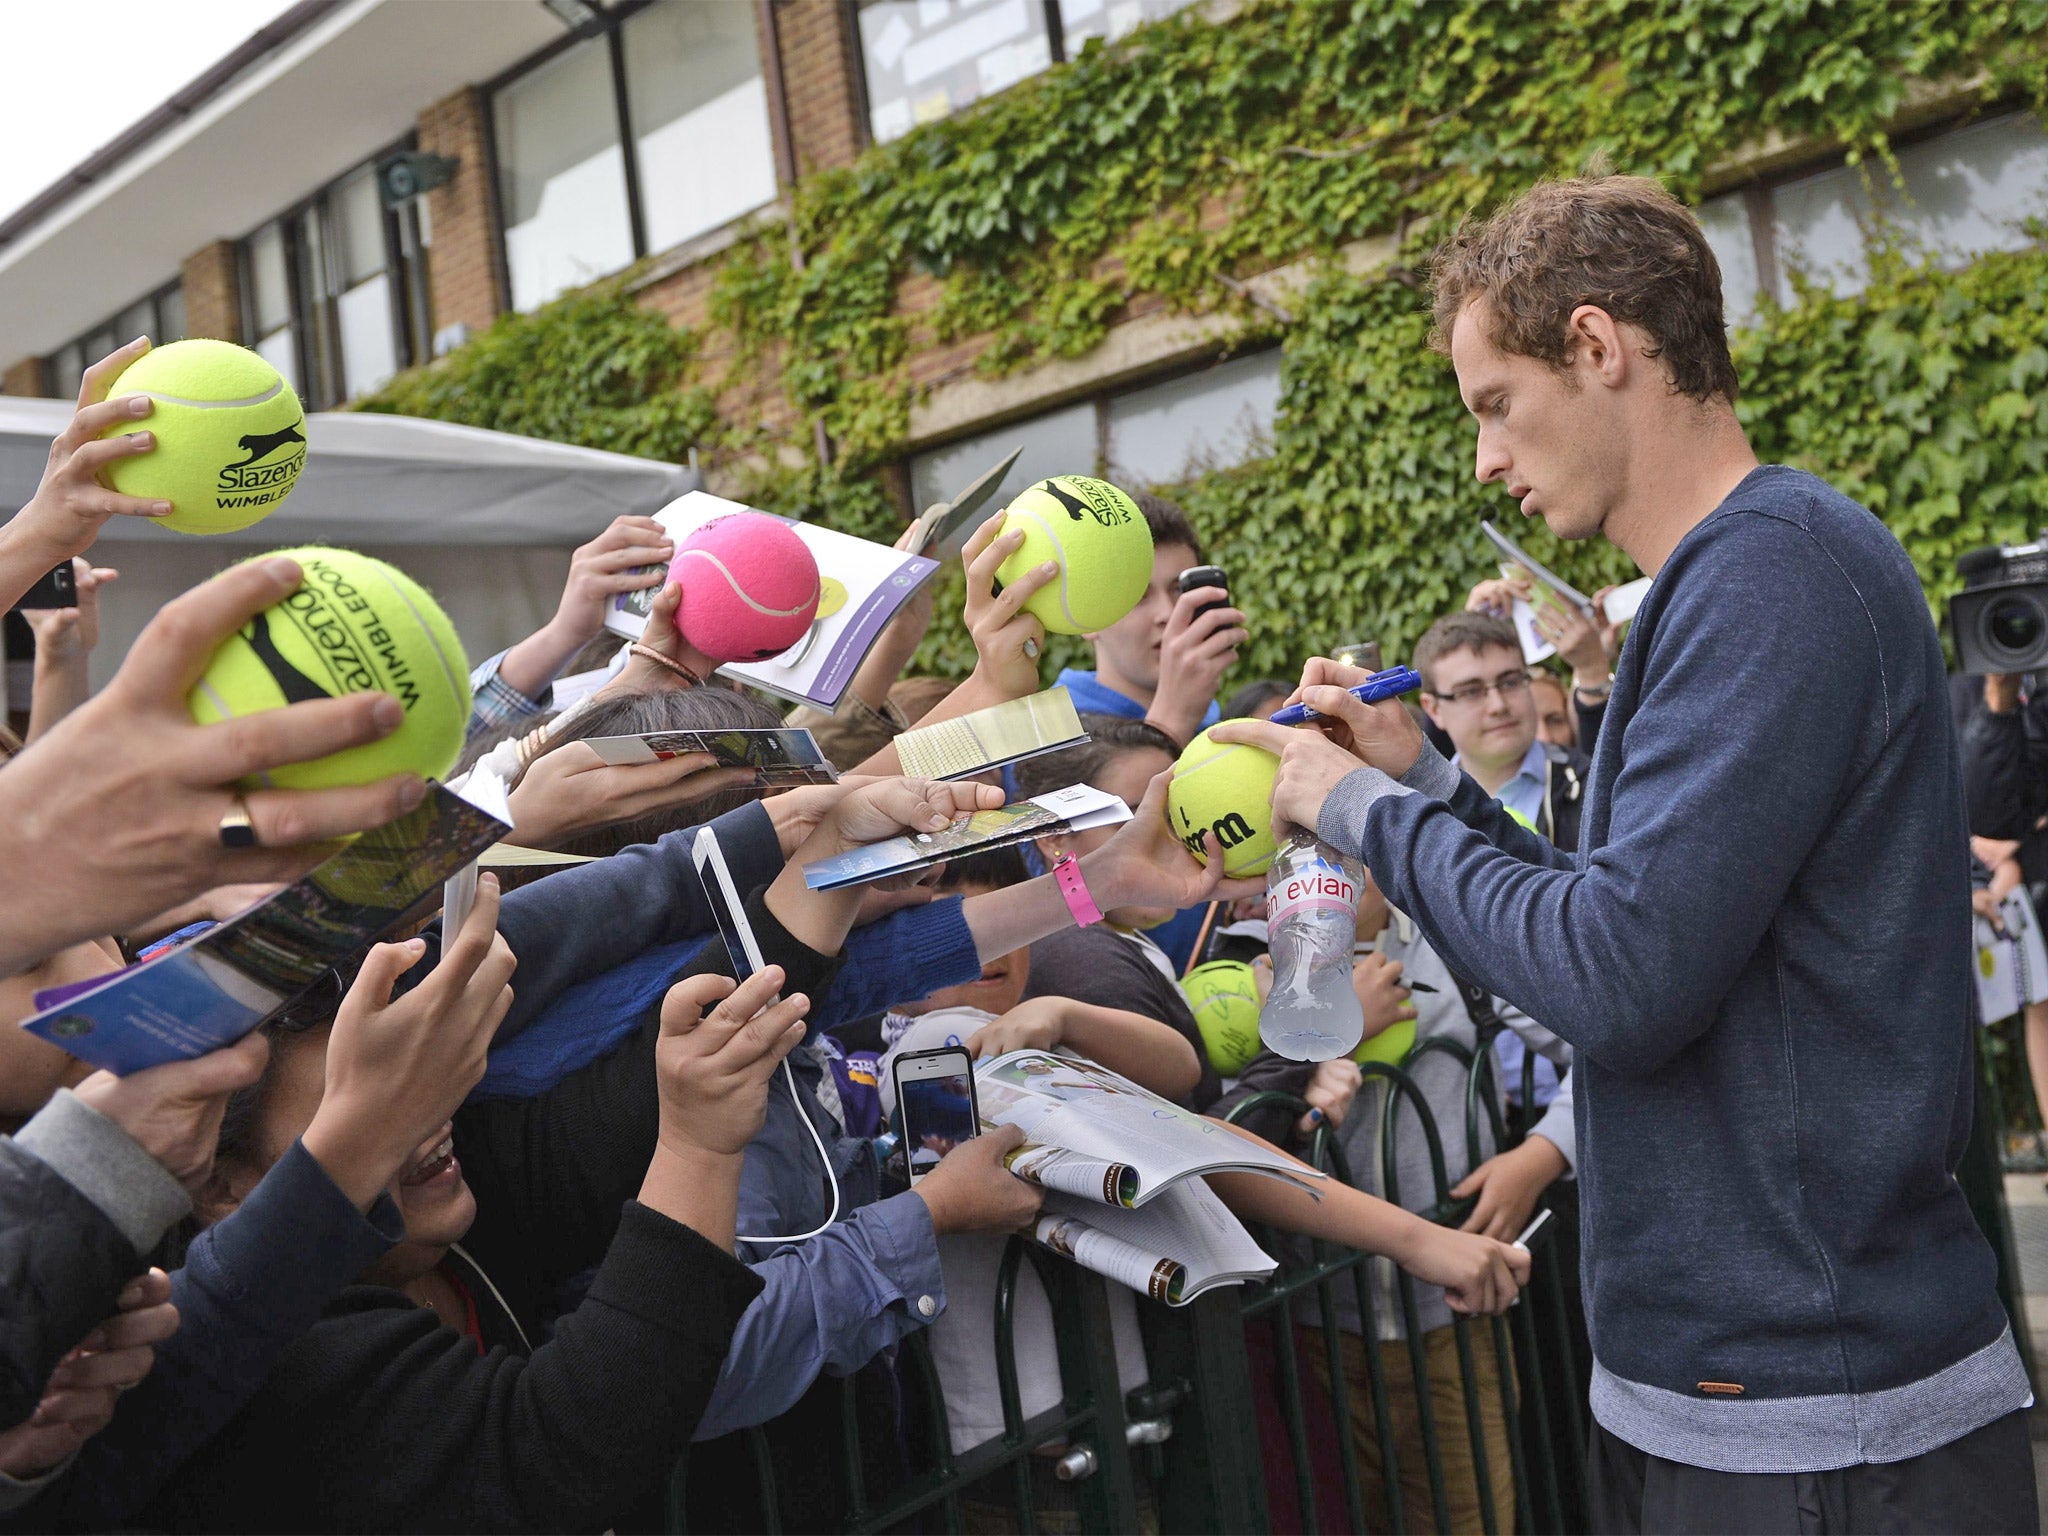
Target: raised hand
{"type": "Point", "coordinates": [1197, 649]}
{"type": "Point", "coordinates": [1376, 982]}
{"type": "Point", "coordinates": [398, 1070]}
{"type": "Point", "coordinates": [1007, 640]}
{"type": "Point", "coordinates": [571, 789]}
{"type": "Point", "coordinates": [1508, 1186]}
{"type": "Point", "coordinates": [71, 505]}
{"type": "Point", "coordinates": [971, 1190]}
{"type": "Point", "coordinates": [890, 807]}
{"type": "Point", "coordinates": [153, 786]}
{"type": "Point", "coordinates": [1329, 1094]}
{"type": "Point", "coordinates": [173, 1112]}
{"type": "Point", "coordinates": [714, 1067]}
{"type": "Point", "coordinates": [629, 556]}
{"type": "Point", "coordinates": [1146, 865]}
{"type": "Point", "coordinates": [79, 1399]}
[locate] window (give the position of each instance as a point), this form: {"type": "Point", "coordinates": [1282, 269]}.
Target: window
{"type": "Point", "coordinates": [677, 80]}
{"type": "Point", "coordinates": [160, 316]}
{"type": "Point", "coordinates": [1156, 434]}
{"type": "Point", "coordinates": [1960, 193]}
{"type": "Point", "coordinates": [334, 293]}
{"type": "Point", "coordinates": [926, 58]}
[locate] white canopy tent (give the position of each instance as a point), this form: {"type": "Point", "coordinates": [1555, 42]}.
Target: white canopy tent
{"type": "Point", "coordinates": [486, 520]}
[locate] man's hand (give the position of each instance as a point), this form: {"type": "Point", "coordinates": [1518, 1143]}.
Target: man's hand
{"type": "Point", "coordinates": [397, 1071]}
{"type": "Point", "coordinates": [1479, 1275]}
{"type": "Point", "coordinates": [71, 505]}
{"type": "Point", "coordinates": [1311, 766]}
{"type": "Point", "coordinates": [713, 1068]}
{"type": "Point", "coordinates": [1376, 982]}
{"type": "Point", "coordinates": [1329, 1094]}
{"type": "Point", "coordinates": [153, 787]}
{"type": "Point", "coordinates": [1508, 1186]}
{"type": "Point", "coordinates": [173, 1111]}
{"type": "Point", "coordinates": [891, 807]}
{"type": "Point", "coordinates": [1146, 865]}
{"type": "Point", "coordinates": [2002, 692]}
{"type": "Point", "coordinates": [82, 1392]}
{"type": "Point", "coordinates": [971, 1190]}
{"type": "Point", "coordinates": [66, 636]}
{"type": "Point", "coordinates": [570, 790]}
{"type": "Point", "coordinates": [1197, 649]}
{"type": "Point", "coordinates": [1007, 641]}
{"type": "Point", "coordinates": [795, 813]}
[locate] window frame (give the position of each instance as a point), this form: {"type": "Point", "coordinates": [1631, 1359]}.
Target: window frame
{"type": "Point", "coordinates": [409, 295]}
{"type": "Point", "coordinates": [47, 380]}
{"type": "Point", "coordinates": [1056, 43]}
{"type": "Point", "coordinates": [609, 24]}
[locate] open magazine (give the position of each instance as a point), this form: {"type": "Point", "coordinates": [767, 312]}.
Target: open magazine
{"type": "Point", "coordinates": [864, 584]}
{"type": "Point", "coordinates": [779, 756]}
{"type": "Point", "coordinates": [1121, 1169]}
{"type": "Point", "coordinates": [210, 991]}
{"type": "Point", "coordinates": [1077, 808]}
{"type": "Point", "coordinates": [991, 738]}
{"type": "Point", "coordinates": [2012, 966]}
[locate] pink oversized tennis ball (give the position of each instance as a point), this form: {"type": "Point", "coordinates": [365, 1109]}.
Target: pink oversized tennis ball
{"type": "Point", "coordinates": [750, 587]}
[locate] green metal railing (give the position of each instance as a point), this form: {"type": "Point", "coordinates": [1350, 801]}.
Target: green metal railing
{"type": "Point", "coordinates": [1190, 1436]}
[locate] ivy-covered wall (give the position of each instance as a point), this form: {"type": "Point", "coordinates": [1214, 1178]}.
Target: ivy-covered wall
{"type": "Point", "coordinates": [1168, 168]}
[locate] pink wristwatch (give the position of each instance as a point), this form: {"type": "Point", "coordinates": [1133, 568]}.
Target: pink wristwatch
{"type": "Point", "coordinates": [1068, 873]}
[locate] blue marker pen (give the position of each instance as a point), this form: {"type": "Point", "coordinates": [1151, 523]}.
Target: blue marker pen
{"type": "Point", "coordinates": [1381, 685]}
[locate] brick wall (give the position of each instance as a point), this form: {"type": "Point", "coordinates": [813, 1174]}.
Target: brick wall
{"type": "Point", "coordinates": [463, 265]}
{"type": "Point", "coordinates": [819, 61]}
{"type": "Point", "coordinates": [213, 295]}
{"type": "Point", "coordinates": [23, 378]}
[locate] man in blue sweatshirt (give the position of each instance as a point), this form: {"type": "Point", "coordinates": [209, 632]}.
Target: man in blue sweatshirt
{"type": "Point", "coordinates": [1761, 949]}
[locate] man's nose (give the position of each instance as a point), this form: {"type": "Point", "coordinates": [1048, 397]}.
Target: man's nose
{"type": "Point", "coordinates": [1492, 460]}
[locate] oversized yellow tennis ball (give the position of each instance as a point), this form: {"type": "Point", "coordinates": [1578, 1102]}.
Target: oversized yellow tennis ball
{"type": "Point", "coordinates": [1227, 790]}
{"type": "Point", "coordinates": [1097, 536]}
{"type": "Point", "coordinates": [1389, 1045]}
{"type": "Point", "coordinates": [354, 625]}
{"type": "Point", "coordinates": [1225, 998]}
{"type": "Point", "coordinates": [230, 437]}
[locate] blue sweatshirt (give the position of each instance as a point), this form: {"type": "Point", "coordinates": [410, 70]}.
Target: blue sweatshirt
{"type": "Point", "coordinates": [1761, 952]}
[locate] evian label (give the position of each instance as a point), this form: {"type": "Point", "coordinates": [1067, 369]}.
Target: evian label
{"type": "Point", "coordinates": [1313, 886]}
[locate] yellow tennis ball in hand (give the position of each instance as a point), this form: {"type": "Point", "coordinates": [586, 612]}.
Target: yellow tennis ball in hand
{"type": "Point", "coordinates": [1389, 1045]}
{"type": "Point", "coordinates": [1224, 995]}
{"type": "Point", "coordinates": [355, 625]}
{"type": "Point", "coordinates": [1227, 790]}
{"type": "Point", "coordinates": [230, 437]}
{"type": "Point", "coordinates": [1097, 537]}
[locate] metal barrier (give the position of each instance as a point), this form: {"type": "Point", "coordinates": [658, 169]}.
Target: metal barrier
{"type": "Point", "coordinates": [1184, 1450]}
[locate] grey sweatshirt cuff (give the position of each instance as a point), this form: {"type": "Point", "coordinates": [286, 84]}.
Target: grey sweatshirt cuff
{"type": "Point", "coordinates": [108, 1166]}
{"type": "Point", "coordinates": [1341, 822]}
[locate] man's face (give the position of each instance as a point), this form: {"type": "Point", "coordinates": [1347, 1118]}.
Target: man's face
{"type": "Point", "coordinates": [1556, 440]}
{"type": "Point", "coordinates": [1555, 722]}
{"type": "Point", "coordinates": [1482, 701]}
{"type": "Point", "coordinates": [1130, 646]}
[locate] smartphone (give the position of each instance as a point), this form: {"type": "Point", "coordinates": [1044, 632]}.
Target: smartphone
{"type": "Point", "coordinates": [935, 1100]}
{"type": "Point", "coordinates": [58, 589]}
{"type": "Point", "coordinates": [1206, 576]}
{"type": "Point", "coordinates": [726, 908]}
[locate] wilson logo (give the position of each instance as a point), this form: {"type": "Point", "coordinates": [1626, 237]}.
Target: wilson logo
{"type": "Point", "coordinates": [1230, 830]}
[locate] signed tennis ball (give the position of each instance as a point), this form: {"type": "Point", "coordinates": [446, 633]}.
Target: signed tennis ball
{"type": "Point", "coordinates": [230, 437]}
{"type": "Point", "coordinates": [1097, 537]}
{"type": "Point", "coordinates": [354, 625]}
{"type": "Point", "coordinates": [1389, 1045]}
{"type": "Point", "coordinates": [1227, 790]}
{"type": "Point", "coordinates": [750, 587]}
{"type": "Point", "coordinates": [1225, 998]}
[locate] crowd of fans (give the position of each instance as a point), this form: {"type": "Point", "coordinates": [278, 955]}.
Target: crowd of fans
{"type": "Point", "coordinates": [487, 1229]}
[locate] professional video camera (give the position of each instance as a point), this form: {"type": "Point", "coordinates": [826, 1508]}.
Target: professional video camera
{"type": "Point", "coordinates": [2000, 618]}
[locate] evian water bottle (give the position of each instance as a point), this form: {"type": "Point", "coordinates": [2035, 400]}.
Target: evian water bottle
{"type": "Point", "coordinates": [1311, 922]}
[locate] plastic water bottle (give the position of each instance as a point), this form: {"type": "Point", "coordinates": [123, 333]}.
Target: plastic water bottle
{"type": "Point", "coordinates": [1311, 923]}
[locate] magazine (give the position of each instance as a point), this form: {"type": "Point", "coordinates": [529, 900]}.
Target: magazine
{"type": "Point", "coordinates": [779, 757]}
{"type": "Point", "coordinates": [1098, 1136]}
{"type": "Point", "coordinates": [1074, 809]}
{"type": "Point", "coordinates": [990, 738]}
{"type": "Point", "coordinates": [1184, 1242]}
{"type": "Point", "coordinates": [213, 989]}
{"type": "Point", "coordinates": [2012, 967]}
{"type": "Point", "coordinates": [864, 585]}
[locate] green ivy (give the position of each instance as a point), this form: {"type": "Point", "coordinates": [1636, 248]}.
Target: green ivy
{"type": "Point", "coordinates": [1189, 156]}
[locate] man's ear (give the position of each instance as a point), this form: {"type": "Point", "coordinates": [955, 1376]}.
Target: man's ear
{"type": "Point", "coordinates": [1599, 345]}
{"type": "Point", "coordinates": [1429, 707]}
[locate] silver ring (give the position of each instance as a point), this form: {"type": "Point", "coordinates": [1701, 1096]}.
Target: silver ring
{"type": "Point", "coordinates": [1030, 649]}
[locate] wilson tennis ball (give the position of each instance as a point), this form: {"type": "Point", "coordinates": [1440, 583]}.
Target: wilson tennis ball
{"type": "Point", "coordinates": [230, 437]}
{"type": "Point", "coordinates": [1097, 537]}
{"type": "Point", "coordinates": [750, 587]}
{"type": "Point", "coordinates": [1389, 1045]}
{"type": "Point", "coordinates": [1225, 998]}
{"type": "Point", "coordinates": [354, 625]}
{"type": "Point", "coordinates": [1227, 790]}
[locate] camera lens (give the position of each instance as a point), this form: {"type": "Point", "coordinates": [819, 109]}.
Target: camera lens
{"type": "Point", "coordinates": [2014, 625]}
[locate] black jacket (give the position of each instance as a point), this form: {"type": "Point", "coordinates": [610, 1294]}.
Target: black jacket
{"type": "Point", "coordinates": [2005, 771]}
{"type": "Point", "coordinates": [1564, 796]}
{"type": "Point", "coordinates": [383, 1419]}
